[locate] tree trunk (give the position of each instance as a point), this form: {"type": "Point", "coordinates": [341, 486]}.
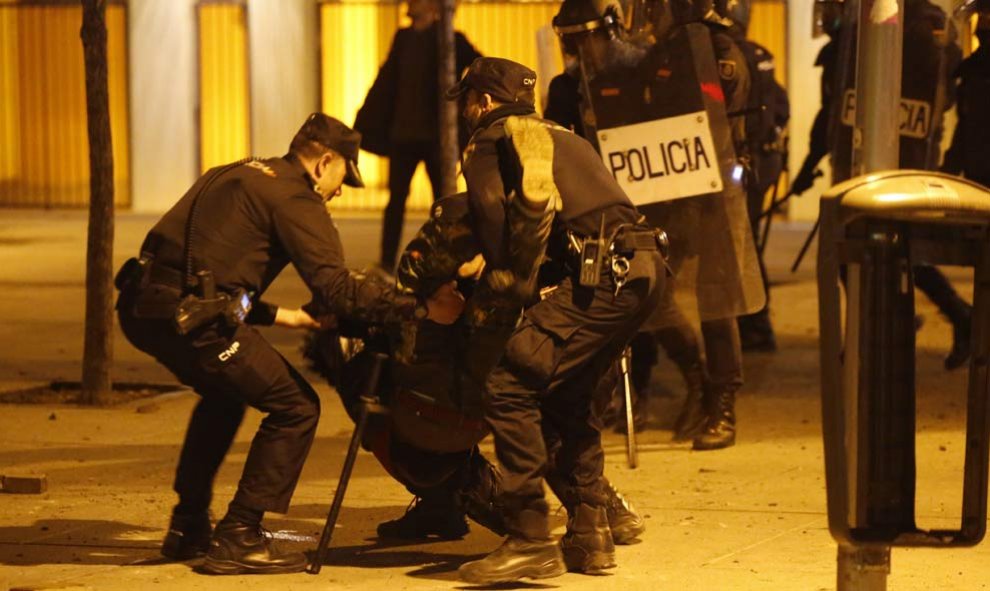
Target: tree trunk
{"type": "Point", "coordinates": [98, 345]}
{"type": "Point", "coordinates": [449, 148]}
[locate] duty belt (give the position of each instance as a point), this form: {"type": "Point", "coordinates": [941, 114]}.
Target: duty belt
{"type": "Point", "coordinates": [629, 241]}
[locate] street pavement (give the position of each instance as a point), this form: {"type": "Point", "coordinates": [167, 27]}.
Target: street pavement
{"type": "Point", "coordinates": [751, 517]}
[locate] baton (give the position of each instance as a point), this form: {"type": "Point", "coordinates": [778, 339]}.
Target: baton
{"type": "Point", "coordinates": [804, 248]}
{"type": "Point", "coordinates": [631, 456]}
{"type": "Point", "coordinates": [369, 404]}
{"type": "Point", "coordinates": [762, 245]}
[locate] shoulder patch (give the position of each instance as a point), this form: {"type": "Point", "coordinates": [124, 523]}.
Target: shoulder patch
{"type": "Point", "coordinates": [264, 168]}
{"type": "Point", "coordinates": [727, 69]}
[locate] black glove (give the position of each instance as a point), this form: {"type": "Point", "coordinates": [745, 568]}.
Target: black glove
{"type": "Point", "coordinates": [805, 178]}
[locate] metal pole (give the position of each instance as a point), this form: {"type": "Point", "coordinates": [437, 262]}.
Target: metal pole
{"type": "Point", "coordinates": [447, 63]}
{"type": "Point", "coordinates": [876, 139]}
{"type": "Point", "coordinates": [863, 568]}
{"type": "Point", "coordinates": [876, 146]}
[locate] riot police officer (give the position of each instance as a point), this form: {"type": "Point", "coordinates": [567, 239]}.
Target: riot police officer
{"type": "Point", "coordinates": [610, 278]}
{"type": "Point", "coordinates": [767, 113]}
{"type": "Point", "coordinates": [969, 153]}
{"type": "Point", "coordinates": [930, 57]}
{"type": "Point", "coordinates": [190, 300]}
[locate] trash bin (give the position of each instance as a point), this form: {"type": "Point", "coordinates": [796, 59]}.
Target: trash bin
{"type": "Point", "coordinates": [874, 229]}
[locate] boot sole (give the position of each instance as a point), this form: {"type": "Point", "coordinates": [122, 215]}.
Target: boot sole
{"type": "Point", "coordinates": [229, 567]}
{"type": "Point", "coordinates": [624, 536]}
{"type": "Point", "coordinates": [547, 570]}
{"type": "Point", "coordinates": [589, 563]}
{"type": "Point", "coordinates": [534, 146]}
{"type": "Point", "coordinates": [700, 445]}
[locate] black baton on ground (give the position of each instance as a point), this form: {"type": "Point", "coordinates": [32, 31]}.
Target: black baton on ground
{"type": "Point", "coordinates": [369, 404]}
{"type": "Point", "coordinates": [807, 243]}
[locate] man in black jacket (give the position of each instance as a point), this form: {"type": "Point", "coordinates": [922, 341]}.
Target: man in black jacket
{"type": "Point", "coordinates": [969, 154]}
{"type": "Point", "coordinates": [400, 116]}
{"type": "Point", "coordinates": [519, 165]}
{"type": "Point", "coordinates": [203, 269]}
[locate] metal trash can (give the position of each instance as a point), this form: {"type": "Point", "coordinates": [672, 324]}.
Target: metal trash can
{"type": "Point", "coordinates": [874, 228]}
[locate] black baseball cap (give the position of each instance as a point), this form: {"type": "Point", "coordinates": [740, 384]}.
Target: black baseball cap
{"type": "Point", "coordinates": [505, 80]}
{"type": "Point", "coordinates": [327, 131]}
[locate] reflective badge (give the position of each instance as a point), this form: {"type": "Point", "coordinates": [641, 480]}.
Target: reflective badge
{"type": "Point", "coordinates": [727, 69]}
{"type": "Point", "coordinates": [264, 168]}
{"type": "Point", "coordinates": [229, 352]}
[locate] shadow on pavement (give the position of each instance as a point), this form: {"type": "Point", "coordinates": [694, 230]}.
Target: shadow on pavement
{"type": "Point", "coordinates": [77, 541]}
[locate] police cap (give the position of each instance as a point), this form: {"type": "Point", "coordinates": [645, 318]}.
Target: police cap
{"type": "Point", "coordinates": [505, 80]}
{"type": "Point", "coordinates": [331, 133]}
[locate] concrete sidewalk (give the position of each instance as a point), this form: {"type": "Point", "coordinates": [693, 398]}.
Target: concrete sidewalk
{"type": "Point", "coordinates": [746, 518]}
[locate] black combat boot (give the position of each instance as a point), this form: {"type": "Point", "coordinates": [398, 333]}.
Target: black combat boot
{"type": "Point", "coordinates": [427, 517]}
{"type": "Point", "coordinates": [478, 499]}
{"type": "Point", "coordinates": [681, 345]}
{"type": "Point", "coordinates": [247, 549]}
{"type": "Point", "coordinates": [756, 332]}
{"type": "Point", "coordinates": [691, 420]}
{"type": "Point", "coordinates": [720, 429]}
{"type": "Point", "coordinates": [588, 546]}
{"type": "Point", "coordinates": [188, 535]}
{"type": "Point", "coordinates": [626, 524]}
{"type": "Point", "coordinates": [528, 552]}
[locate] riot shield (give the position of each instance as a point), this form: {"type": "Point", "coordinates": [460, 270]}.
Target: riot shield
{"type": "Point", "coordinates": [663, 132]}
{"type": "Point", "coordinates": [931, 55]}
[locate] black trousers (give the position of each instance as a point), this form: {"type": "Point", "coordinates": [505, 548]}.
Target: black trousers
{"type": "Point", "coordinates": [936, 286]}
{"type": "Point", "coordinates": [547, 376]}
{"type": "Point", "coordinates": [403, 160]}
{"type": "Point", "coordinates": [232, 368]}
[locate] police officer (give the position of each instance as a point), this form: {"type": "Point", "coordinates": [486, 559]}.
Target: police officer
{"type": "Point", "coordinates": [203, 269]}
{"type": "Point", "coordinates": [767, 113]}
{"type": "Point", "coordinates": [969, 153]}
{"type": "Point", "coordinates": [566, 341]}
{"type": "Point", "coordinates": [929, 52]}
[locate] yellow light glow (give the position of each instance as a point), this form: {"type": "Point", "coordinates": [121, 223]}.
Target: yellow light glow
{"type": "Point", "coordinates": [224, 115]}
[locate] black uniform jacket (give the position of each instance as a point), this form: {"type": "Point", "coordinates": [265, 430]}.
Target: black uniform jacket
{"type": "Point", "coordinates": [587, 189]}
{"type": "Point", "coordinates": [970, 150]}
{"type": "Point", "coordinates": [405, 94]}
{"type": "Point", "coordinates": [252, 220]}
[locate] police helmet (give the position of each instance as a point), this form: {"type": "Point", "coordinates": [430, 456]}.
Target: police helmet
{"type": "Point", "coordinates": [580, 16]}
{"type": "Point", "coordinates": [827, 17]}
{"type": "Point", "coordinates": [737, 11]}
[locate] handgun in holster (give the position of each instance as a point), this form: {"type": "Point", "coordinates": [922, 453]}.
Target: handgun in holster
{"type": "Point", "coordinates": [206, 305]}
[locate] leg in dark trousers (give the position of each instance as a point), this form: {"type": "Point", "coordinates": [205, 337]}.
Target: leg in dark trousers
{"type": "Point", "coordinates": [936, 286]}
{"type": "Point", "coordinates": [723, 356]}
{"type": "Point", "coordinates": [211, 431]}
{"type": "Point", "coordinates": [550, 368]}
{"type": "Point", "coordinates": [231, 368]}
{"type": "Point", "coordinates": [402, 165]}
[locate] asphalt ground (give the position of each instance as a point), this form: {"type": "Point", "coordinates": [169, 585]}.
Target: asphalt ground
{"type": "Point", "coordinates": [749, 517]}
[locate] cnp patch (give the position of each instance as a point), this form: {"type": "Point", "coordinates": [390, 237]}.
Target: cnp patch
{"type": "Point", "coordinates": [727, 69]}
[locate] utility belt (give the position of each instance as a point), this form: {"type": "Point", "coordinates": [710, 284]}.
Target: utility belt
{"type": "Point", "coordinates": [594, 255]}
{"type": "Point", "coordinates": [419, 406]}
{"type": "Point", "coordinates": [201, 305]}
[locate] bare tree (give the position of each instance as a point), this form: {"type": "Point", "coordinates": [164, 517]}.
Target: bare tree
{"type": "Point", "coordinates": [98, 345]}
